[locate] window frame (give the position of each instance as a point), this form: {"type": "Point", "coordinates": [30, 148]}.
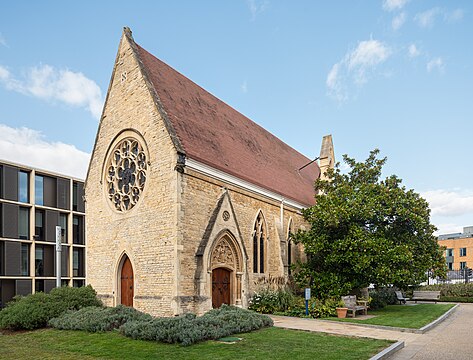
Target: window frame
{"type": "Point", "coordinates": [259, 236]}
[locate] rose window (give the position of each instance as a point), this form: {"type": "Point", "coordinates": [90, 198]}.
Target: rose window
{"type": "Point", "coordinates": [126, 174]}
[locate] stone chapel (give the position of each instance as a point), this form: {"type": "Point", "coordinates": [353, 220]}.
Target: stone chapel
{"type": "Point", "coordinates": [189, 203]}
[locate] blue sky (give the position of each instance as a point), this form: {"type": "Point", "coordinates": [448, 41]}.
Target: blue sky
{"type": "Point", "coordinates": [390, 74]}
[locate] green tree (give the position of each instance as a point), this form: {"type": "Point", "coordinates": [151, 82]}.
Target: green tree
{"type": "Point", "coordinates": [365, 230]}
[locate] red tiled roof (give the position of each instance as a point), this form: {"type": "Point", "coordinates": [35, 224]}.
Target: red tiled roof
{"type": "Point", "coordinates": [214, 133]}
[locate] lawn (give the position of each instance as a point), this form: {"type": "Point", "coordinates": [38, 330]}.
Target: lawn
{"type": "Point", "coordinates": [269, 343]}
{"type": "Point", "coordinates": [404, 316]}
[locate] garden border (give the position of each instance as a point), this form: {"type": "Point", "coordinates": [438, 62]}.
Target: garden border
{"type": "Point", "coordinates": [422, 330]}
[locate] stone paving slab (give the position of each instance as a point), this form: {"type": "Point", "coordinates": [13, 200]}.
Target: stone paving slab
{"type": "Point", "coordinates": [333, 327]}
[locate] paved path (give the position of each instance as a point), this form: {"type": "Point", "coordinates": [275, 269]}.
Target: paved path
{"type": "Point", "coordinates": [451, 339]}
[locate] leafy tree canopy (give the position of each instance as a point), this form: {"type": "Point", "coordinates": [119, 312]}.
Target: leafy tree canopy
{"type": "Point", "coordinates": [365, 230]}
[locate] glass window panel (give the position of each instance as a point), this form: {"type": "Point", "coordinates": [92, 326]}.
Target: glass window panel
{"type": "Point", "coordinates": [78, 283]}
{"type": "Point", "coordinates": [39, 265]}
{"type": "Point", "coordinates": [24, 223]}
{"type": "Point", "coordinates": [25, 259]}
{"type": "Point", "coordinates": [23, 186]}
{"type": "Point", "coordinates": [78, 230]}
{"type": "Point", "coordinates": [39, 192]}
{"type": "Point", "coordinates": [2, 258]}
{"type": "Point", "coordinates": [39, 225]}
{"type": "Point", "coordinates": [39, 285]}
{"type": "Point", "coordinates": [74, 196]}
{"type": "Point", "coordinates": [63, 225]}
{"type": "Point", "coordinates": [75, 262]}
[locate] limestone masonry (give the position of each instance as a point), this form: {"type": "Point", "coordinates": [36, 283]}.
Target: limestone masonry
{"type": "Point", "coordinates": [176, 222]}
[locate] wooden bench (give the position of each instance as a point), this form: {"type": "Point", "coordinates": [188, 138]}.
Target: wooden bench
{"type": "Point", "coordinates": [354, 305]}
{"type": "Point", "coordinates": [401, 298]}
{"type": "Point", "coordinates": [426, 296]}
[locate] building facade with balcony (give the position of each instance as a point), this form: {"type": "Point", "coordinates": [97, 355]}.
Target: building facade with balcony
{"type": "Point", "coordinates": [32, 203]}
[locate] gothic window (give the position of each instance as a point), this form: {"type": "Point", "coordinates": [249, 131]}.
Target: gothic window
{"type": "Point", "coordinates": [290, 231]}
{"type": "Point", "coordinates": [259, 237]}
{"type": "Point", "coordinates": [126, 173]}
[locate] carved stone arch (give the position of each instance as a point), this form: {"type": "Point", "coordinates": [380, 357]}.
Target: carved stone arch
{"type": "Point", "coordinates": [222, 231]}
{"type": "Point", "coordinates": [225, 265]}
{"type": "Point", "coordinates": [226, 252]}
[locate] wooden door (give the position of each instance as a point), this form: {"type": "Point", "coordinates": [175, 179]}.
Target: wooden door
{"type": "Point", "coordinates": [127, 283]}
{"type": "Point", "coordinates": [220, 287]}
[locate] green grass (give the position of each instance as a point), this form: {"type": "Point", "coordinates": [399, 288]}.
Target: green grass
{"type": "Point", "coordinates": [404, 316]}
{"type": "Point", "coordinates": [270, 343]}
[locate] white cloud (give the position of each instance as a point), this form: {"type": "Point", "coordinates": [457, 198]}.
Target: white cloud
{"type": "Point", "coordinates": [448, 228]}
{"type": "Point", "coordinates": [413, 51]}
{"type": "Point", "coordinates": [398, 21]}
{"type": "Point", "coordinates": [436, 63]}
{"type": "Point", "coordinates": [355, 66]}
{"type": "Point", "coordinates": [449, 203]}
{"type": "Point", "coordinates": [2, 40]}
{"type": "Point", "coordinates": [426, 19]}
{"type": "Point", "coordinates": [4, 73]}
{"type": "Point", "coordinates": [51, 84]}
{"type": "Point", "coordinates": [391, 5]}
{"type": "Point", "coordinates": [257, 7]}
{"type": "Point", "coordinates": [28, 147]}
{"type": "Point", "coordinates": [244, 87]}
{"type": "Point", "coordinates": [335, 84]}
{"type": "Point", "coordinates": [454, 16]}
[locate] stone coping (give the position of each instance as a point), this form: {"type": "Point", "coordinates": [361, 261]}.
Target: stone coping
{"type": "Point", "coordinates": [386, 353]}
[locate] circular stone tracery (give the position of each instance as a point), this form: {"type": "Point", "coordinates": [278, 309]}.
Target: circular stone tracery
{"type": "Point", "coordinates": [126, 174]}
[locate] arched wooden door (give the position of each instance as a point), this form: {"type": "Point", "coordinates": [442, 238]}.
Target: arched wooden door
{"type": "Point", "coordinates": [220, 287]}
{"type": "Point", "coordinates": [127, 283]}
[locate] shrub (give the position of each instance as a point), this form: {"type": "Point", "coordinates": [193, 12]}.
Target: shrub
{"type": "Point", "coordinates": [460, 299]}
{"type": "Point", "coordinates": [97, 319]}
{"type": "Point", "coordinates": [189, 329]}
{"type": "Point", "coordinates": [269, 301]}
{"type": "Point", "coordinates": [323, 308]}
{"type": "Point", "coordinates": [451, 290]}
{"type": "Point", "coordinates": [381, 297]}
{"type": "Point", "coordinates": [35, 310]}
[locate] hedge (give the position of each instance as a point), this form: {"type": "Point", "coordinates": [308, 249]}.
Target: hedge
{"type": "Point", "coordinates": [185, 329]}
{"type": "Point", "coordinates": [35, 310]}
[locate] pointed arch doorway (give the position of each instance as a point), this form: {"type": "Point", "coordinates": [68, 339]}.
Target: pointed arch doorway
{"type": "Point", "coordinates": [126, 283]}
{"type": "Point", "coordinates": [225, 268]}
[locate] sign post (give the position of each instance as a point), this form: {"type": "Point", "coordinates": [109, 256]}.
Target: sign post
{"type": "Point", "coordinates": [58, 256]}
{"type": "Point", "coordinates": [307, 298]}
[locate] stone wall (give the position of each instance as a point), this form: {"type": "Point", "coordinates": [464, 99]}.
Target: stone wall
{"type": "Point", "coordinates": [200, 196]}
{"type": "Point", "coordinates": [147, 233]}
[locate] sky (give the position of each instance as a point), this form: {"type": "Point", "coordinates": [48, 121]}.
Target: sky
{"type": "Point", "coordinates": [390, 74]}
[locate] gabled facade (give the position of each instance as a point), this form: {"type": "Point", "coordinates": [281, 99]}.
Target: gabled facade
{"type": "Point", "coordinates": [189, 203]}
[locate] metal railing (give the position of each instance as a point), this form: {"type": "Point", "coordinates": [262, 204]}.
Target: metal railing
{"type": "Point", "coordinates": [460, 276]}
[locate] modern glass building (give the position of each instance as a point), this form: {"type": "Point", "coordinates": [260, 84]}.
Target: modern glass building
{"type": "Point", "coordinates": [32, 203]}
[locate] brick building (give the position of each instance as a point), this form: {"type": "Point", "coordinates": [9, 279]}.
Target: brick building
{"type": "Point", "coordinates": [458, 248]}
{"type": "Point", "coordinates": [189, 203]}
{"type": "Point", "coordinates": [32, 203]}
